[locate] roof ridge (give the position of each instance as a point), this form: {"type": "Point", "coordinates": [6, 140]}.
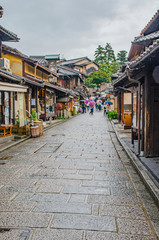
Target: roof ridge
{"type": "Point", "coordinates": [76, 58]}
{"type": "Point", "coordinates": [150, 22]}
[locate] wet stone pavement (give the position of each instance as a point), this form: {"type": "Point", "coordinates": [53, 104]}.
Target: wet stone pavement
{"type": "Point", "coordinates": [74, 183]}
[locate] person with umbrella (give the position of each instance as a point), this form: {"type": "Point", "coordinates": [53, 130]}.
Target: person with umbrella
{"type": "Point", "coordinates": [91, 104]}
{"type": "Point", "coordinates": [108, 103]}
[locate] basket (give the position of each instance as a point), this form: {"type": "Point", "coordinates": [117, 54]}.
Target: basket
{"type": "Point", "coordinates": [34, 131]}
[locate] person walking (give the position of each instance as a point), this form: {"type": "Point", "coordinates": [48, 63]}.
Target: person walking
{"type": "Point", "coordinates": [107, 108]}
{"type": "Point", "coordinates": [104, 110]}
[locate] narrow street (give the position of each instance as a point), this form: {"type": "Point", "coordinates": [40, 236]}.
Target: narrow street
{"type": "Point", "coordinates": [74, 183]}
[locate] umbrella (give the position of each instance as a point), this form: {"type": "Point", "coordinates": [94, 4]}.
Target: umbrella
{"type": "Point", "coordinates": [99, 101]}
{"type": "Point", "coordinates": [109, 102]}
{"type": "Point", "coordinates": [86, 101]}
{"type": "Point", "coordinates": [92, 103]}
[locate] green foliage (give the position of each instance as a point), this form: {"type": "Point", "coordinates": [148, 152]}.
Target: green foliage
{"type": "Point", "coordinates": [34, 115]}
{"type": "Point", "coordinates": [93, 85]}
{"type": "Point", "coordinates": [112, 114]}
{"type": "Point", "coordinates": [108, 65]}
{"type": "Point", "coordinates": [121, 57]}
{"type": "Point", "coordinates": [96, 78]}
{"type": "Point", "coordinates": [60, 118]}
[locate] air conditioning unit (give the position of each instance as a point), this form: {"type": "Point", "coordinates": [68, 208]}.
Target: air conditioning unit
{"type": "Point", "coordinates": [5, 63]}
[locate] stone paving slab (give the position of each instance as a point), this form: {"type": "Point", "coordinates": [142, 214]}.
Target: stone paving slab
{"type": "Point", "coordinates": [43, 197]}
{"type": "Point", "coordinates": [122, 211]}
{"type": "Point", "coordinates": [86, 190]}
{"type": "Point", "coordinates": [15, 234]}
{"type": "Point", "coordinates": [77, 198]}
{"type": "Point", "coordinates": [83, 222]}
{"type": "Point", "coordinates": [18, 188]}
{"type": "Point", "coordinates": [7, 195]}
{"type": "Point", "coordinates": [94, 235]}
{"type": "Point", "coordinates": [134, 227]}
{"type": "Point", "coordinates": [78, 176]}
{"type": "Point", "coordinates": [32, 220]}
{"type": "Point", "coordinates": [86, 184]}
{"type": "Point", "coordinates": [59, 207]}
{"type": "Point", "coordinates": [61, 182]}
{"type": "Point", "coordinates": [49, 188]}
{"type": "Point", "coordinates": [57, 234]}
{"type": "Point", "coordinates": [16, 206]}
{"type": "Point", "coordinates": [113, 200]}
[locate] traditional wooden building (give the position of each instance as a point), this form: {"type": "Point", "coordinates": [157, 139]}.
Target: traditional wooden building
{"type": "Point", "coordinates": [83, 65]}
{"type": "Point", "coordinates": [140, 76]}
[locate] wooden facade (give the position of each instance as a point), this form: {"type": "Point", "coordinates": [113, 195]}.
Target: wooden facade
{"type": "Point", "coordinates": [141, 76]}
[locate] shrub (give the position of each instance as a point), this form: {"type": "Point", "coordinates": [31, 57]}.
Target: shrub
{"type": "Point", "coordinates": [112, 114]}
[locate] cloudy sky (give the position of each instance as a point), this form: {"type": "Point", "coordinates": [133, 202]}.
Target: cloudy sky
{"type": "Point", "coordinates": [75, 28]}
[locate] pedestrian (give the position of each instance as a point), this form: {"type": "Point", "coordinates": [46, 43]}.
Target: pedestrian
{"type": "Point", "coordinates": [91, 110]}
{"type": "Point", "coordinates": [104, 110]}
{"type": "Point", "coordinates": [107, 108]}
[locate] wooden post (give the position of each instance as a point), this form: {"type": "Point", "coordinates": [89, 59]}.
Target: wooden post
{"type": "Point", "coordinates": [13, 107]}
{"type": "Point", "coordinates": [132, 113]}
{"type": "Point", "coordinates": [37, 100]}
{"type": "Point", "coordinates": [0, 48]}
{"type": "Point", "coordinates": [122, 106]}
{"type": "Point", "coordinates": [45, 103]}
{"type": "Point", "coordinates": [119, 106]}
{"type": "Point", "coordinates": [143, 120]}
{"type": "Point", "coordinates": [139, 115]}
{"type": "Point", "coordinates": [10, 106]}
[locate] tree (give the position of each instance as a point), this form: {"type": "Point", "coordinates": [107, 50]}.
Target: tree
{"type": "Point", "coordinates": [97, 77]}
{"type": "Point", "coordinates": [121, 57]}
{"type": "Point", "coordinates": [99, 55]}
{"type": "Point", "coordinates": [109, 53]}
{"type": "Point", "coordinates": [108, 64]}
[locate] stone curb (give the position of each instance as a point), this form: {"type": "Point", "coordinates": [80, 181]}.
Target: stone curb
{"type": "Point", "coordinates": [139, 167]}
{"type": "Point", "coordinates": [14, 144]}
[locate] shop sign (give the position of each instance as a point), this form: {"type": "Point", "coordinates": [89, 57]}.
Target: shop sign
{"type": "Point", "coordinates": [33, 101]}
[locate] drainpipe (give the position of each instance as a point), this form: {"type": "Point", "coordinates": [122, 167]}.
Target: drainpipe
{"type": "Point", "coordinates": [139, 106]}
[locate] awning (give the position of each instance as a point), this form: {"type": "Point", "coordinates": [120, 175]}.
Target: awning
{"type": "Point", "coordinates": [8, 87]}
{"type": "Point", "coordinates": [64, 99]}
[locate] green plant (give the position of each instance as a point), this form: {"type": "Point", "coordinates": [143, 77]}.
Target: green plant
{"type": "Point", "coordinates": [61, 118]}
{"type": "Point", "coordinates": [34, 115]}
{"type": "Point", "coordinates": [112, 114]}
{"type": "Point", "coordinates": [17, 121]}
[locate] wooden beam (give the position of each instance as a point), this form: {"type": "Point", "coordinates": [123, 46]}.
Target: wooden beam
{"type": "Point", "coordinates": [13, 107]}
{"type": "Point", "coordinates": [122, 106]}
{"type": "Point", "coordinates": [139, 116]}
{"type": "Point", "coordinates": [45, 103]}
{"type": "Point", "coordinates": [132, 110]}
{"type": "Point", "coordinates": [143, 119]}
{"type": "Point", "coordinates": [37, 100]}
{"type": "Point", "coordinates": [0, 48]}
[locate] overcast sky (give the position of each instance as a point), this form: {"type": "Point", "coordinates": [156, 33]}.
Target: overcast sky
{"type": "Point", "coordinates": [75, 28]}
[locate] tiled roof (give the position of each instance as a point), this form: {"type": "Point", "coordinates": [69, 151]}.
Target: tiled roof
{"type": "Point", "coordinates": [18, 78]}
{"type": "Point", "coordinates": [63, 70]}
{"type": "Point", "coordinates": [73, 61]}
{"type": "Point", "coordinates": [143, 38]}
{"type": "Point", "coordinates": [14, 51]}
{"type": "Point", "coordinates": [150, 23]}
{"type": "Point", "coordinates": [151, 49]}
{"type": "Point", "coordinates": [41, 60]}
{"type": "Point", "coordinates": [52, 57]}
{"type": "Point", "coordinates": [7, 35]}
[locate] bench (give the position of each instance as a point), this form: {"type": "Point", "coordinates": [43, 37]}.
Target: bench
{"type": "Point", "coordinates": [5, 130]}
